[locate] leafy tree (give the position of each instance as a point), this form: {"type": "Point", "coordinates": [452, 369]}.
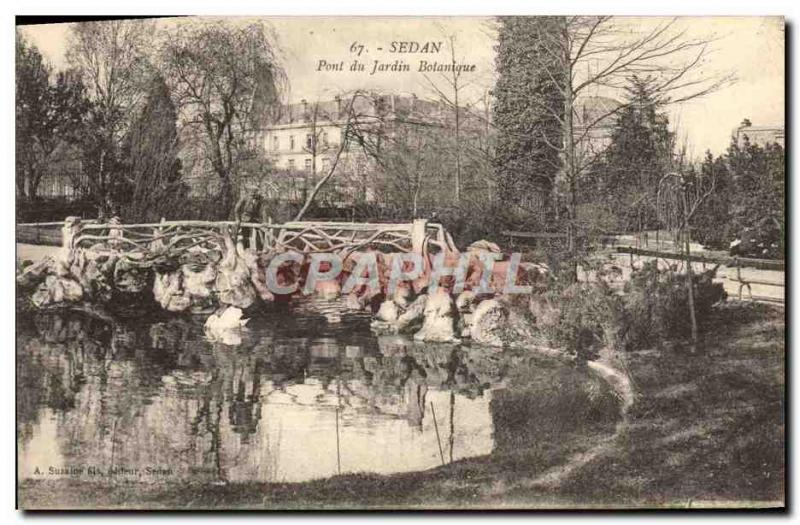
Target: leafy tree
{"type": "Point", "coordinates": [523, 114]}
{"type": "Point", "coordinates": [224, 78]}
{"type": "Point", "coordinates": [47, 115]}
{"type": "Point", "coordinates": [111, 58]}
{"type": "Point", "coordinates": [150, 149]}
{"type": "Point", "coordinates": [32, 86]}
{"type": "Point", "coordinates": [639, 154]}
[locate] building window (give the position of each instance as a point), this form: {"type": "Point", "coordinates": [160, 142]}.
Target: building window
{"type": "Point", "coordinates": [361, 167]}
{"type": "Point", "coordinates": [291, 142]}
{"type": "Point", "coordinates": [309, 141]}
{"type": "Point", "coordinates": [324, 138]}
{"type": "Point", "coordinates": [275, 143]}
{"type": "Point", "coordinates": [308, 164]}
{"type": "Point", "coordinates": [291, 164]}
{"type": "Point", "coordinates": [326, 165]}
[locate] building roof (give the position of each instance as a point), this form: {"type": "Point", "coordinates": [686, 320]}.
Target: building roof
{"type": "Point", "coordinates": [591, 108]}
{"type": "Point", "coordinates": [387, 105]}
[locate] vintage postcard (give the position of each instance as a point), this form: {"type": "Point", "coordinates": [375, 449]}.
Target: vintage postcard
{"type": "Point", "coordinates": [515, 262]}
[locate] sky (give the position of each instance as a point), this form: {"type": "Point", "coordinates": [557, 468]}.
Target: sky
{"type": "Point", "coordinates": [752, 48]}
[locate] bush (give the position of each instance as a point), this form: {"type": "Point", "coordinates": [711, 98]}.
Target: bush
{"type": "Point", "coordinates": [656, 304]}
{"type": "Point", "coordinates": [583, 317]}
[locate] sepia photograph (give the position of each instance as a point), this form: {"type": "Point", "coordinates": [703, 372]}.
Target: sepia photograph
{"type": "Point", "coordinates": [400, 263]}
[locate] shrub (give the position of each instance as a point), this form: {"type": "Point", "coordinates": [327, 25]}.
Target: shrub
{"type": "Point", "coordinates": [580, 318]}
{"type": "Point", "coordinates": [656, 303]}
{"type": "Point", "coordinates": [583, 317]}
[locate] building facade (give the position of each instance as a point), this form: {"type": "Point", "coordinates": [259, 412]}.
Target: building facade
{"type": "Point", "coordinates": [759, 135]}
{"type": "Point", "coordinates": [305, 142]}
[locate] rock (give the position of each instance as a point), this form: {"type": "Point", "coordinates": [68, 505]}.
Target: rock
{"type": "Point", "coordinates": [56, 291]}
{"type": "Point", "coordinates": [198, 286]}
{"type": "Point", "coordinates": [403, 295]}
{"type": "Point", "coordinates": [490, 323]}
{"type": "Point", "coordinates": [233, 283]}
{"type": "Point", "coordinates": [198, 282]}
{"type": "Point", "coordinates": [168, 291]}
{"type": "Point", "coordinates": [35, 273]}
{"type": "Point", "coordinates": [353, 302]}
{"type": "Point", "coordinates": [234, 286]}
{"type": "Point", "coordinates": [465, 324]}
{"type": "Point", "coordinates": [94, 270]}
{"type": "Point", "coordinates": [439, 321]}
{"type": "Point", "coordinates": [413, 316]}
{"type": "Point", "coordinates": [465, 301]}
{"type": "Point", "coordinates": [129, 277]}
{"type": "Point", "coordinates": [258, 264]}
{"type": "Point", "coordinates": [388, 312]}
{"type": "Point", "coordinates": [328, 290]}
{"type": "Point", "coordinates": [483, 246]}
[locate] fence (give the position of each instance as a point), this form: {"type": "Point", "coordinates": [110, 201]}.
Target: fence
{"type": "Point", "coordinates": [735, 263]}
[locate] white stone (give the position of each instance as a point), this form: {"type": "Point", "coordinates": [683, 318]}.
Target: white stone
{"type": "Point", "coordinates": [388, 312]}
{"type": "Point", "coordinates": [413, 314]}
{"type": "Point", "coordinates": [439, 323]}
{"type": "Point", "coordinates": [490, 323]}
{"type": "Point", "coordinates": [226, 326]}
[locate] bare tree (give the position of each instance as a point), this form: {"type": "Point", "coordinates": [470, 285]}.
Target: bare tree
{"type": "Point", "coordinates": [408, 153]}
{"type": "Point", "coordinates": [112, 60]}
{"type": "Point", "coordinates": [225, 79]}
{"type": "Point", "coordinates": [679, 198]}
{"type": "Point", "coordinates": [349, 131]}
{"type": "Point", "coordinates": [316, 144]}
{"type": "Point", "coordinates": [450, 93]}
{"type": "Point", "coordinates": [598, 54]}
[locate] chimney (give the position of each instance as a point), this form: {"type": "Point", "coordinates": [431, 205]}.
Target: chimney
{"type": "Point", "coordinates": [746, 123]}
{"type": "Point", "coordinates": [338, 100]}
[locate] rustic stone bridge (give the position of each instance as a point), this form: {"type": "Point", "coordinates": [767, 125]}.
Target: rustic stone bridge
{"type": "Point", "coordinates": [225, 268]}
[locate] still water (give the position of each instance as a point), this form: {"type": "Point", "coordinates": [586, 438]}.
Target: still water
{"type": "Point", "coordinates": [305, 395]}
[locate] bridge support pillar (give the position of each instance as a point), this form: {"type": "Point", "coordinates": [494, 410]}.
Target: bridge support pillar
{"type": "Point", "coordinates": [418, 229]}
{"type": "Point", "coordinates": [69, 232]}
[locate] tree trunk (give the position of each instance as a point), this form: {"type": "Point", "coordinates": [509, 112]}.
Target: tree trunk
{"type": "Point", "coordinates": [690, 290]}
{"type": "Point", "coordinates": [569, 175]}
{"type": "Point", "coordinates": [458, 143]}
{"type": "Point", "coordinates": [225, 197]}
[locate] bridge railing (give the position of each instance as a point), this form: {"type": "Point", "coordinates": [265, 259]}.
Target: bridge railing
{"type": "Point", "coordinates": [737, 264]}
{"type": "Point", "coordinates": [174, 237]}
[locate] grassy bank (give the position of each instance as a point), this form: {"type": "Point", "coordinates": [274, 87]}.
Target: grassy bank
{"type": "Point", "coordinates": [706, 429]}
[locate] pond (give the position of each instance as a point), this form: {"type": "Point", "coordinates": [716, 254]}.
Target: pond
{"type": "Point", "coordinates": [309, 393]}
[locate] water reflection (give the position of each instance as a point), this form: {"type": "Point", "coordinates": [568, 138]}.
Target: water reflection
{"type": "Point", "coordinates": [300, 399]}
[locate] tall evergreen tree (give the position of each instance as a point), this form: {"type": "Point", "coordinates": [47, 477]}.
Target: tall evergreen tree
{"type": "Point", "coordinates": [757, 196]}
{"type": "Point", "coordinates": [640, 153]}
{"type": "Point", "coordinates": [713, 226]}
{"type": "Point", "coordinates": [150, 149]}
{"type": "Point", "coordinates": [525, 167]}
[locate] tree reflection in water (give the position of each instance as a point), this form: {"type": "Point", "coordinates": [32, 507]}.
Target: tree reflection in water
{"type": "Point", "coordinates": [134, 394]}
